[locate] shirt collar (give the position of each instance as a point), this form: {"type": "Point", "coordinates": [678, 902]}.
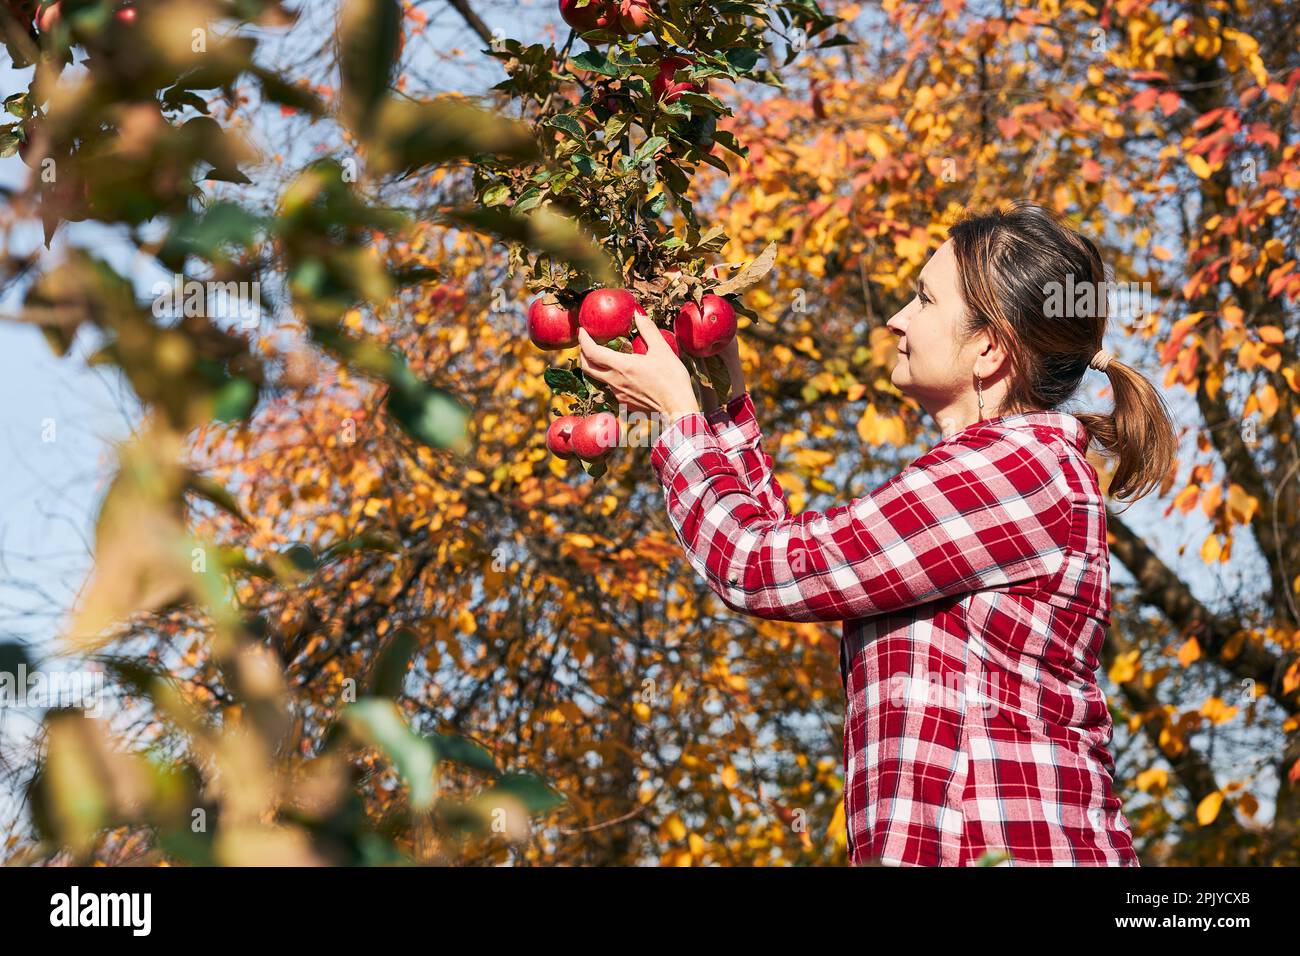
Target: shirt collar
{"type": "Point", "coordinates": [1037, 421]}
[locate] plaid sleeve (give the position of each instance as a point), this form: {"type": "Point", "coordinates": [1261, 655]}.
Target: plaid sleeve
{"type": "Point", "coordinates": [735, 425]}
{"type": "Point", "coordinates": [985, 509]}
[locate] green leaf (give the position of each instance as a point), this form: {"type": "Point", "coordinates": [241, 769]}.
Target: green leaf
{"type": "Point", "coordinates": [378, 723]}
{"type": "Point", "coordinates": [563, 381]}
{"type": "Point", "coordinates": [10, 140]}
{"type": "Point", "coordinates": [719, 378]}
{"type": "Point", "coordinates": [496, 195]}
{"type": "Point", "coordinates": [706, 101]}
{"type": "Point", "coordinates": [277, 90]}
{"type": "Point", "coordinates": [531, 790]}
{"type": "Point", "coordinates": [648, 149]}
{"type": "Point", "coordinates": [211, 232]}
{"type": "Point", "coordinates": [727, 140]}
{"type": "Point", "coordinates": [654, 207]}
{"type": "Point", "coordinates": [615, 125]}
{"type": "Point", "coordinates": [16, 105]}
{"type": "Point", "coordinates": [394, 660]}
{"type": "Point", "coordinates": [234, 400]}
{"type": "Point", "coordinates": [742, 59]}
{"type": "Point", "coordinates": [301, 556]}
{"type": "Point", "coordinates": [531, 199]}
{"type": "Point", "coordinates": [214, 492]}
{"type": "Point", "coordinates": [715, 161]}
{"type": "Point", "coordinates": [463, 751]}
{"type": "Point", "coordinates": [409, 135]}
{"type": "Point", "coordinates": [596, 62]}
{"type": "Point", "coordinates": [545, 231]}
{"type": "Point", "coordinates": [369, 541]}
{"type": "Point", "coordinates": [428, 414]}
{"type": "Point", "coordinates": [569, 125]}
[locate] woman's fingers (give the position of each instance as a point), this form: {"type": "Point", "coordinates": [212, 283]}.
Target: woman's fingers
{"type": "Point", "coordinates": [594, 355]}
{"type": "Point", "coordinates": [654, 340]}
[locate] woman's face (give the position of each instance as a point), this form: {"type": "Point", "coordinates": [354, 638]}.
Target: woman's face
{"type": "Point", "coordinates": [933, 367]}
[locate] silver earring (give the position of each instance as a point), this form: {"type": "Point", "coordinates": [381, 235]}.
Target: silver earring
{"type": "Point", "coordinates": [979, 388]}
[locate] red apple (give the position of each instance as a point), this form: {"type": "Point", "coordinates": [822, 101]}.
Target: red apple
{"type": "Point", "coordinates": [634, 16]}
{"type": "Point", "coordinates": [595, 436]}
{"type": "Point", "coordinates": [640, 348]}
{"type": "Point", "coordinates": [49, 16]}
{"type": "Point", "coordinates": [706, 329]}
{"type": "Point", "coordinates": [596, 15]}
{"type": "Point", "coordinates": [551, 325]}
{"type": "Point", "coordinates": [607, 313]}
{"type": "Point", "coordinates": [559, 437]}
{"type": "Point", "coordinates": [668, 89]}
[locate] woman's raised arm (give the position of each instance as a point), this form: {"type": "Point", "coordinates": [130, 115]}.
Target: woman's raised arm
{"type": "Point", "coordinates": [985, 508]}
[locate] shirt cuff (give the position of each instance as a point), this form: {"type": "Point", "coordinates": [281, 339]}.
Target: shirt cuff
{"type": "Point", "coordinates": [685, 440]}
{"type": "Point", "coordinates": [736, 424]}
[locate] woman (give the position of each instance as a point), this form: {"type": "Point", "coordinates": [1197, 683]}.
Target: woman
{"type": "Point", "coordinates": [973, 587]}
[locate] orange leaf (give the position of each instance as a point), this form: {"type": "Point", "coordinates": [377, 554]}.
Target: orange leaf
{"type": "Point", "coordinates": [1208, 809]}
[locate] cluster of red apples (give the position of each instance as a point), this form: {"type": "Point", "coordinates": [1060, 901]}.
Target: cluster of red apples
{"type": "Point", "coordinates": [50, 14]}
{"type": "Point", "coordinates": [628, 17]}
{"type": "Point", "coordinates": [623, 16]}
{"type": "Point", "coordinates": [699, 331]}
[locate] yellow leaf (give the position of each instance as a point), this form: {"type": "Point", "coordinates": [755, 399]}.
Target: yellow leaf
{"type": "Point", "coordinates": [836, 830]}
{"type": "Point", "coordinates": [676, 829]}
{"type": "Point", "coordinates": [877, 145]}
{"type": "Point", "coordinates": [1189, 652]}
{"type": "Point", "coordinates": [1199, 166]}
{"type": "Point", "coordinates": [1186, 499]}
{"type": "Point", "coordinates": [1241, 506]}
{"type": "Point", "coordinates": [1125, 667]}
{"type": "Point", "coordinates": [729, 777]}
{"type": "Point", "coordinates": [1153, 779]}
{"type": "Point", "coordinates": [1208, 809]}
{"type": "Point", "coordinates": [1268, 401]}
{"type": "Point", "coordinates": [1217, 711]}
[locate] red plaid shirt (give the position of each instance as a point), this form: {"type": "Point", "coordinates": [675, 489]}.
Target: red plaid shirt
{"type": "Point", "coordinates": [974, 591]}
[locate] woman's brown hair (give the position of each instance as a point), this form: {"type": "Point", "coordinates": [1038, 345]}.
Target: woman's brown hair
{"type": "Point", "coordinates": [1011, 264]}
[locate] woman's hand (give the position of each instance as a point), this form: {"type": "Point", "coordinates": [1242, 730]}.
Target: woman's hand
{"type": "Point", "coordinates": [655, 382]}
{"type": "Point", "coordinates": [735, 373]}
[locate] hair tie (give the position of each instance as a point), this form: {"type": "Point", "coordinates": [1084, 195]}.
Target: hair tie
{"type": "Point", "coordinates": [1101, 360]}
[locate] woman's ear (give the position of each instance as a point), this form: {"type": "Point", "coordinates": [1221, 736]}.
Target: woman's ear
{"type": "Point", "coordinates": [992, 358]}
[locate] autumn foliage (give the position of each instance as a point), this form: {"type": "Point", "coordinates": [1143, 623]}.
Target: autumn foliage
{"type": "Point", "coordinates": [428, 636]}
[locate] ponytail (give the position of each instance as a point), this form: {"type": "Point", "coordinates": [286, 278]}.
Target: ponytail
{"type": "Point", "coordinates": [1139, 433]}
